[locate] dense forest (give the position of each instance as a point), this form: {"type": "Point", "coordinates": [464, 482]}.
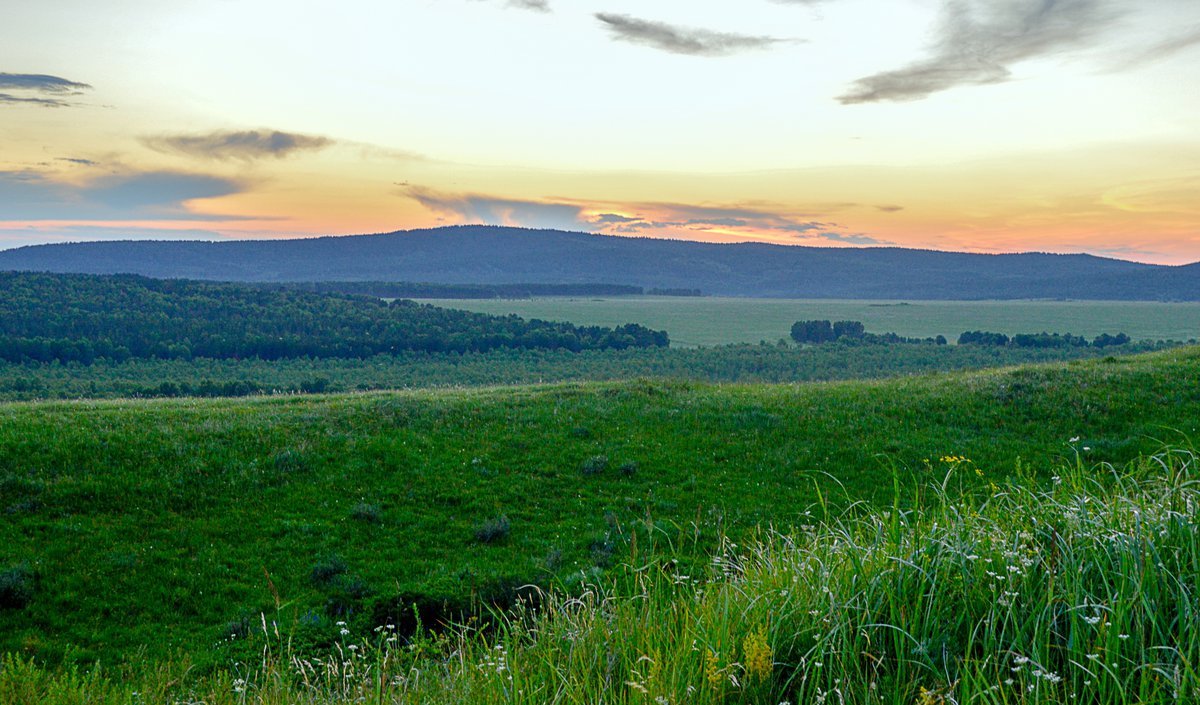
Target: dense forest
{"type": "Point", "coordinates": [414, 290]}
{"type": "Point", "coordinates": [81, 318]}
{"type": "Point", "coordinates": [480, 254]}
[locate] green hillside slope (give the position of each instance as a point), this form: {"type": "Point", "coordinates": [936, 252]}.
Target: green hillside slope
{"type": "Point", "coordinates": [172, 524]}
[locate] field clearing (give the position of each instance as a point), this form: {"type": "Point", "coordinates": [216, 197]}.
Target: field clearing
{"type": "Point", "coordinates": [694, 321]}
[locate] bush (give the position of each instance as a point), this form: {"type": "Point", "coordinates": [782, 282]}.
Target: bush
{"type": "Point", "coordinates": [627, 469]}
{"type": "Point", "coordinates": [325, 572]}
{"type": "Point", "coordinates": [493, 530]}
{"type": "Point", "coordinates": [17, 586]}
{"type": "Point", "coordinates": [594, 465]}
{"type": "Point", "coordinates": [367, 513]}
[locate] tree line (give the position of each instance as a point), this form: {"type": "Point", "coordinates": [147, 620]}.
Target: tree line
{"type": "Point", "coordinates": [820, 331]}
{"type": "Point", "coordinates": [82, 318]}
{"type": "Point", "coordinates": [825, 332]}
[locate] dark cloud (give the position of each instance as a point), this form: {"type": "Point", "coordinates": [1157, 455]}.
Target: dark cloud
{"type": "Point", "coordinates": [130, 196]}
{"type": "Point", "coordinates": [38, 89]}
{"type": "Point", "coordinates": [41, 83]}
{"type": "Point", "coordinates": [243, 145]}
{"type": "Point", "coordinates": [680, 40]}
{"type": "Point", "coordinates": [8, 98]}
{"type": "Point", "coordinates": [978, 40]}
{"type": "Point", "coordinates": [490, 210]}
{"type": "Point", "coordinates": [76, 160]}
{"type": "Point", "coordinates": [611, 218]}
{"type": "Point", "coordinates": [889, 208]}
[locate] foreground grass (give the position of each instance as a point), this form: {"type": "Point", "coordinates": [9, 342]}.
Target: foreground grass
{"type": "Point", "coordinates": [1080, 590]}
{"type": "Point", "coordinates": [170, 526]}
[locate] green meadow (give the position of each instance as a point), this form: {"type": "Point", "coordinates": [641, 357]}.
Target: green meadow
{"type": "Point", "coordinates": [692, 321]}
{"type": "Point", "coordinates": [146, 529]}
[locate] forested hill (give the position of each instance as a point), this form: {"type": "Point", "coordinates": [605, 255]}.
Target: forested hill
{"type": "Point", "coordinates": [68, 317]}
{"type": "Point", "coordinates": [499, 255]}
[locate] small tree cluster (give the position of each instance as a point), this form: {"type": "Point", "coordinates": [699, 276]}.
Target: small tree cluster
{"type": "Point", "coordinates": [1041, 340]}
{"type": "Point", "coordinates": [824, 331]}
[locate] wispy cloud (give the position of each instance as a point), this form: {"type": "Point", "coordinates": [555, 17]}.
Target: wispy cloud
{"type": "Point", "coordinates": [163, 195]}
{"type": "Point", "coordinates": [535, 5]}
{"type": "Point", "coordinates": [730, 223]}
{"type": "Point", "coordinates": [680, 40]}
{"type": "Point", "coordinates": [38, 89]}
{"type": "Point", "coordinates": [979, 40]}
{"type": "Point", "coordinates": [245, 145]}
{"type": "Point", "coordinates": [760, 221]}
{"type": "Point", "coordinates": [1164, 49]}
{"type": "Point", "coordinates": [492, 210]}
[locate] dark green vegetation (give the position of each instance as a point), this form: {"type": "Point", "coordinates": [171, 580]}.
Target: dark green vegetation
{"type": "Point", "coordinates": [174, 524]}
{"type": "Point", "coordinates": [201, 377]}
{"type": "Point", "coordinates": [708, 320]}
{"type": "Point", "coordinates": [79, 318]}
{"type": "Point", "coordinates": [408, 290]}
{"type": "Point", "coordinates": [495, 255]}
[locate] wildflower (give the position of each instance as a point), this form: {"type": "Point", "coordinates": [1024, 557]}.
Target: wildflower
{"type": "Point", "coordinates": [712, 670]}
{"type": "Point", "coordinates": [759, 656]}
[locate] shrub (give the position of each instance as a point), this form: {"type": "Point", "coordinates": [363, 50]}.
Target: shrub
{"type": "Point", "coordinates": [366, 513]}
{"type": "Point", "coordinates": [627, 469]}
{"type": "Point", "coordinates": [594, 465]}
{"type": "Point", "coordinates": [493, 530]}
{"type": "Point", "coordinates": [17, 585]}
{"type": "Point", "coordinates": [325, 572]}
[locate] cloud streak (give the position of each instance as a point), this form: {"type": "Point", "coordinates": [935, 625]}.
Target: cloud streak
{"type": "Point", "coordinates": [245, 145]}
{"type": "Point", "coordinates": [680, 40]}
{"type": "Point", "coordinates": [160, 195]}
{"type": "Point", "coordinates": [38, 89]}
{"type": "Point", "coordinates": [728, 223]}
{"type": "Point", "coordinates": [979, 40]}
{"type": "Point", "coordinates": [491, 210]}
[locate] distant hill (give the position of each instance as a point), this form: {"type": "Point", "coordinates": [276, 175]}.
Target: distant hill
{"type": "Point", "coordinates": [499, 255]}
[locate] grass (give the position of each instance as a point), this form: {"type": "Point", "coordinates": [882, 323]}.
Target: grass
{"type": "Point", "coordinates": [1075, 584]}
{"type": "Point", "coordinates": [150, 527]}
{"type": "Point", "coordinates": [717, 321]}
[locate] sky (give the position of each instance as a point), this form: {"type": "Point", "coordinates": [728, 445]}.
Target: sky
{"type": "Point", "coordinates": [968, 125]}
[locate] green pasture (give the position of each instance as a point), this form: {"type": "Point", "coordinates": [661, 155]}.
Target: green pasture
{"type": "Point", "coordinates": [151, 527]}
{"type": "Point", "coordinates": [693, 321]}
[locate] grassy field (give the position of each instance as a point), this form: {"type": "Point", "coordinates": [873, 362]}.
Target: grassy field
{"type": "Point", "coordinates": [1079, 588]}
{"type": "Point", "coordinates": [715, 321]}
{"type": "Point", "coordinates": [167, 525]}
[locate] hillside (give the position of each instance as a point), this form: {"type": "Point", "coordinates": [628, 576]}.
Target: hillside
{"type": "Point", "coordinates": [499, 255]}
{"type": "Point", "coordinates": [172, 524]}
{"type": "Point", "coordinates": [79, 318]}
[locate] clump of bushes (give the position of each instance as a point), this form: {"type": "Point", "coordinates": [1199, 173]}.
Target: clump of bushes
{"type": "Point", "coordinates": [594, 465]}
{"type": "Point", "coordinates": [493, 530]}
{"type": "Point", "coordinates": [367, 513]}
{"type": "Point", "coordinates": [17, 586]}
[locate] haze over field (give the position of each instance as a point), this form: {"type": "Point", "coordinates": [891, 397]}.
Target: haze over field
{"type": "Point", "coordinates": [1048, 125]}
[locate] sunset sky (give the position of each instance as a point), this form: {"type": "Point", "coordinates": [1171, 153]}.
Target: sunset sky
{"type": "Point", "coordinates": [983, 126]}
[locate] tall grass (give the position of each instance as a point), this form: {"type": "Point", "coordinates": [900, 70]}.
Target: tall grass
{"type": "Point", "coordinates": [1080, 591]}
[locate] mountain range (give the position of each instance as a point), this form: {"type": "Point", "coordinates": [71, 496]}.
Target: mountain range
{"type": "Point", "coordinates": [479, 254]}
